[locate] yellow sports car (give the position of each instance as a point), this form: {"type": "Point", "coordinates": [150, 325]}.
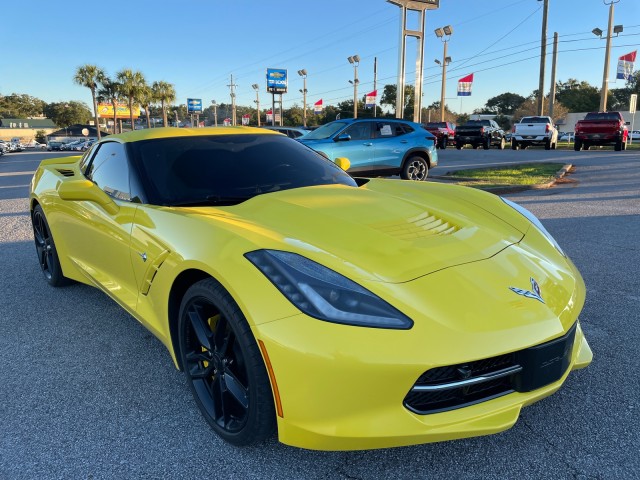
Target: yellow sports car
{"type": "Point", "coordinates": [343, 313]}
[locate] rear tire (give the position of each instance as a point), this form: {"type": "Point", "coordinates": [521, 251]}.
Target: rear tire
{"type": "Point", "coordinates": [443, 143]}
{"type": "Point", "coordinates": [486, 144]}
{"type": "Point", "coordinates": [514, 145]}
{"type": "Point", "coordinates": [577, 145]}
{"type": "Point", "coordinates": [46, 250]}
{"type": "Point", "coordinates": [458, 146]}
{"type": "Point", "coordinates": [618, 146]}
{"type": "Point", "coordinates": [547, 145]}
{"type": "Point", "coordinates": [415, 168]}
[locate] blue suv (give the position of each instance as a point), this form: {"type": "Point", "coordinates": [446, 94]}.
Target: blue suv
{"type": "Point", "coordinates": [377, 146]}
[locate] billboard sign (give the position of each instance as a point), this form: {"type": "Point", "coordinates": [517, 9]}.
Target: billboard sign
{"type": "Point", "coordinates": [194, 105]}
{"type": "Point", "coordinates": [276, 80]}
{"type": "Point", "coordinates": [105, 110]}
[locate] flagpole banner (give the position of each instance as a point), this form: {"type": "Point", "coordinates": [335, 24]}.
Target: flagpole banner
{"type": "Point", "coordinates": [245, 119]}
{"type": "Point", "coordinates": [317, 107]}
{"type": "Point", "coordinates": [370, 99]}
{"type": "Point", "coordinates": [625, 65]}
{"type": "Point", "coordinates": [464, 86]}
{"type": "Point", "coordinates": [269, 116]}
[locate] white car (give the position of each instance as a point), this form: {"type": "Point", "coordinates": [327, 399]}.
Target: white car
{"type": "Point", "coordinates": [566, 137]}
{"type": "Point", "coordinates": [634, 135]}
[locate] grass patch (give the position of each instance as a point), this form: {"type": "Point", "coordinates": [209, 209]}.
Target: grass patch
{"type": "Point", "coordinates": [526, 175]}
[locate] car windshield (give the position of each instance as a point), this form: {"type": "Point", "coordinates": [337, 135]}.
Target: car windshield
{"type": "Point", "coordinates": [228, 169]}
{"type": "Point", "coordinates": [614, 116]}
{"type": "Point", "coordinates": [325, 131]}
{"type": "Point", "coordinates": [476, 123]}
{"type": "Point", "coordinates": [534, 120]}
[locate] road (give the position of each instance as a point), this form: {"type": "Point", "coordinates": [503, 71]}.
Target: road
{"type": "Point", "coordinates": [86, 392]}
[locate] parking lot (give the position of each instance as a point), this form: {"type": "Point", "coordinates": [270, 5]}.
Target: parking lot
{"type": "Point", "coordinates": [87, 392]}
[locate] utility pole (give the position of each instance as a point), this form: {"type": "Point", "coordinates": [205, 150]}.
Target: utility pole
{"type": "Point", "coordinates": [605, 76]}
{"type": "Point", "coordinates": [233, 86]}
{"type": "Point", "coordinates": [543, 56]}
{"type": "Point", "coordinates": [552, 94]}
{"type": "Point", "coordinates": [215, 112]}
{"type": "Point", "coordinates": [375, 84]}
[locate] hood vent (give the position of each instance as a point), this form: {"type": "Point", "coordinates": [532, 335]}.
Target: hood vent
{"type": "Point", "coordinates": [420, 226]}
{"type": "Point", "coordinates": [66, 172]}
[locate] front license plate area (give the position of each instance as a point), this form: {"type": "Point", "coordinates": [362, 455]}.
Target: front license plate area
{"type": "Point", "coordinates": [544, 364]}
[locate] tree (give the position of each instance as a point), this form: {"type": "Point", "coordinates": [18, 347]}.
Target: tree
{"type": "Point", "coordinates": [131, 85]}
{"type": "Point", "coordinates": [20, 106]}
{"type": "Point", "coordinates": [432, 113]}
{"type": "Point", "coordinates": [164, 93]}
{"type": "Point", "coordinates": [505, 103]}
{"type": "Point", "coordinates": [146, 98]}
{"type": "Point", "coordinates": [110, 92]}
{"type": "Point", "coordinates": [578, 96]}
{"type": "Point", "coordinates": [64, 114]}
{"type": "Point", "coordinates": [90, 76]}
{"type": "Point", "coordinates": [389, 98]}
{"type": "Point", "coordinates": [530, 109]}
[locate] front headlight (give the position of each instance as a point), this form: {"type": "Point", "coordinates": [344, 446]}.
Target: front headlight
{"type": "Point", "coordinates": [324, 294]}
{"type": "Point", "coordinates": [533, 219]}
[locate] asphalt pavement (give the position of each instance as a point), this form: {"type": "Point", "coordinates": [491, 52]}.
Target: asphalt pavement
{"type": "Point", "coordinates": [86, 392]}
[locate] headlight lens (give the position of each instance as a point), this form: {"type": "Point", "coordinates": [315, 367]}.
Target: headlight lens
{"type": "Point", "coordinates": [324, 294]}
{"type": "Point", "coordinates": [533, 219]}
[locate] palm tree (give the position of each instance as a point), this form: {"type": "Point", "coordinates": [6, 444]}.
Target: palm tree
{"type": "Point", "coordinates": [89, 76]}
{"type": "Point", "coordinates": [146, 98]}
{"type": "Point", "coordinates": [131, 84]}
{"type": "Point", "coordinates": [110, 92]}
{"type": "Point", "coordinates": [165, 94]}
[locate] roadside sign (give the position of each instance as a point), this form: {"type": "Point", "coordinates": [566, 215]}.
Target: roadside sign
{"type": "Point", "coordinates": [632, 103]}
{"type": "Point", "coordinates": [194, 105]}
{"type": "Point", "coordinates": [276, 80]}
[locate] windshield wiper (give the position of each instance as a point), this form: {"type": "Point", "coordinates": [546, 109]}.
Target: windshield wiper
{"type": "Point", "coordinates": [212, 200]}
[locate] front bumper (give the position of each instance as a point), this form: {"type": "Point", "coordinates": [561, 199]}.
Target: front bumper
{"type": "Point", "coordinates": [344, 388]}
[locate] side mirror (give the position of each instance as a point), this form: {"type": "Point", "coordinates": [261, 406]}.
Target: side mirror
{"type": "Point", "coordinates": [86, 190]}
{"type": "Point", "coordinates": [343, 163]}
{"type": "Point", "coordinates": [343, 138]}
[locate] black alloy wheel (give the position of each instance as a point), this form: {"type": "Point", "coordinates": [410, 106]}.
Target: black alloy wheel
{"type": "Point", "coordinates": [223, 365]}
{"type": "Point", "coordinates": [415, 168]}
{"type": "Point", "coordinates": [46, 250]}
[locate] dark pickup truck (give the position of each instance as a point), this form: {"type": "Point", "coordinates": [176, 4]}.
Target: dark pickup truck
{"type": "Point", "coordinates": [601, 128]}
{"type": "Point", "coordinates": [480, 133]}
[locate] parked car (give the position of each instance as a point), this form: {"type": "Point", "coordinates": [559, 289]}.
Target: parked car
{"type": "Point", "coordinates": [70, 145]}
{"type": "Point", "coordinates": [566, 137]}
{"type": "Point", "coordinates": [54, 146]}
{"type": "Point", "coordinates": [634, 135]}
{"type": "Point", "coordinates": [339, 313]}
{"type": "Point", "coordinates": [484, 133]}
{"type": "Point", "coordinates": [376, 146]}
{"type": "Point", "coordinates": [35, 144]}
{"type": "Point", "coordinates": [534, 130]}
{"type": "Point", "coordinates": [4, 147]}
{"type": "Point", "coordinates": [291, 132]}
{"type": "Point", "coordinates": [443, 131]}
{"type": "Point", "coordinates": [601, 128]}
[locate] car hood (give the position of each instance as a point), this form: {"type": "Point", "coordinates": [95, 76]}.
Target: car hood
{"type": "Point", "coordinates": [390, 231]}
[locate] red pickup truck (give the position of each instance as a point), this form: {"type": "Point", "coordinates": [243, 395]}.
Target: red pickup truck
{"type": "Point", "coordinates": [601, 128]}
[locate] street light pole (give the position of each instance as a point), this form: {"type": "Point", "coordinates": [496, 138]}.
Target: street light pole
{"type": "Point", "coordinates": [215, 112]}
{"type": "Point", "coordinates": [605, 74]}
{"type": "Point", "coordinates": [256, 87]}
{"type": "Point", "coordinates": [303, 74]}
{"type": "Point", "coordinates": [355, 61]}
{"type": "Point", "coordinates": [444, 34]}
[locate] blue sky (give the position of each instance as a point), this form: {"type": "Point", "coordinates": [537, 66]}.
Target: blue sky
{"type": "Point", "coordinates": [197, 45]}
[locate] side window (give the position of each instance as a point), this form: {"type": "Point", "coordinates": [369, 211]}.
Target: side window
{"type": "Point", "coordinates": [109, 170]}
{"type": "Point", "coordinates": [359, 131]}
{"type": "Point", "coordinates": [403, 128]}
{"type": "Point", "coordinates": [385, 129]}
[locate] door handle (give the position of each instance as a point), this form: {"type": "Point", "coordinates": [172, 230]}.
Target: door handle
{"type": "Point", "coordinates": [404, 141]}
{"type": "Point", "coordinates": [367, 144]}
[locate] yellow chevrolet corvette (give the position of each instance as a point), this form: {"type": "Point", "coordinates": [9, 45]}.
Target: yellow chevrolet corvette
{"type": "Point", "coordinates": [342, 313]}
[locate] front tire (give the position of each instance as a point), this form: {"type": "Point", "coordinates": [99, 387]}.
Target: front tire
{"type": "Point", "coordinates": [514, 145]}
{"type": "Point", "coordinates": [415, 168]}
{"type": "Point", "coordinates": [502, 143]}
{"type": "Point", "coordinates": [577, 145]}
{"type": "Point", "coordinates": [223, 365]}
{"type": "Point", "coordinates": [46, 250]}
